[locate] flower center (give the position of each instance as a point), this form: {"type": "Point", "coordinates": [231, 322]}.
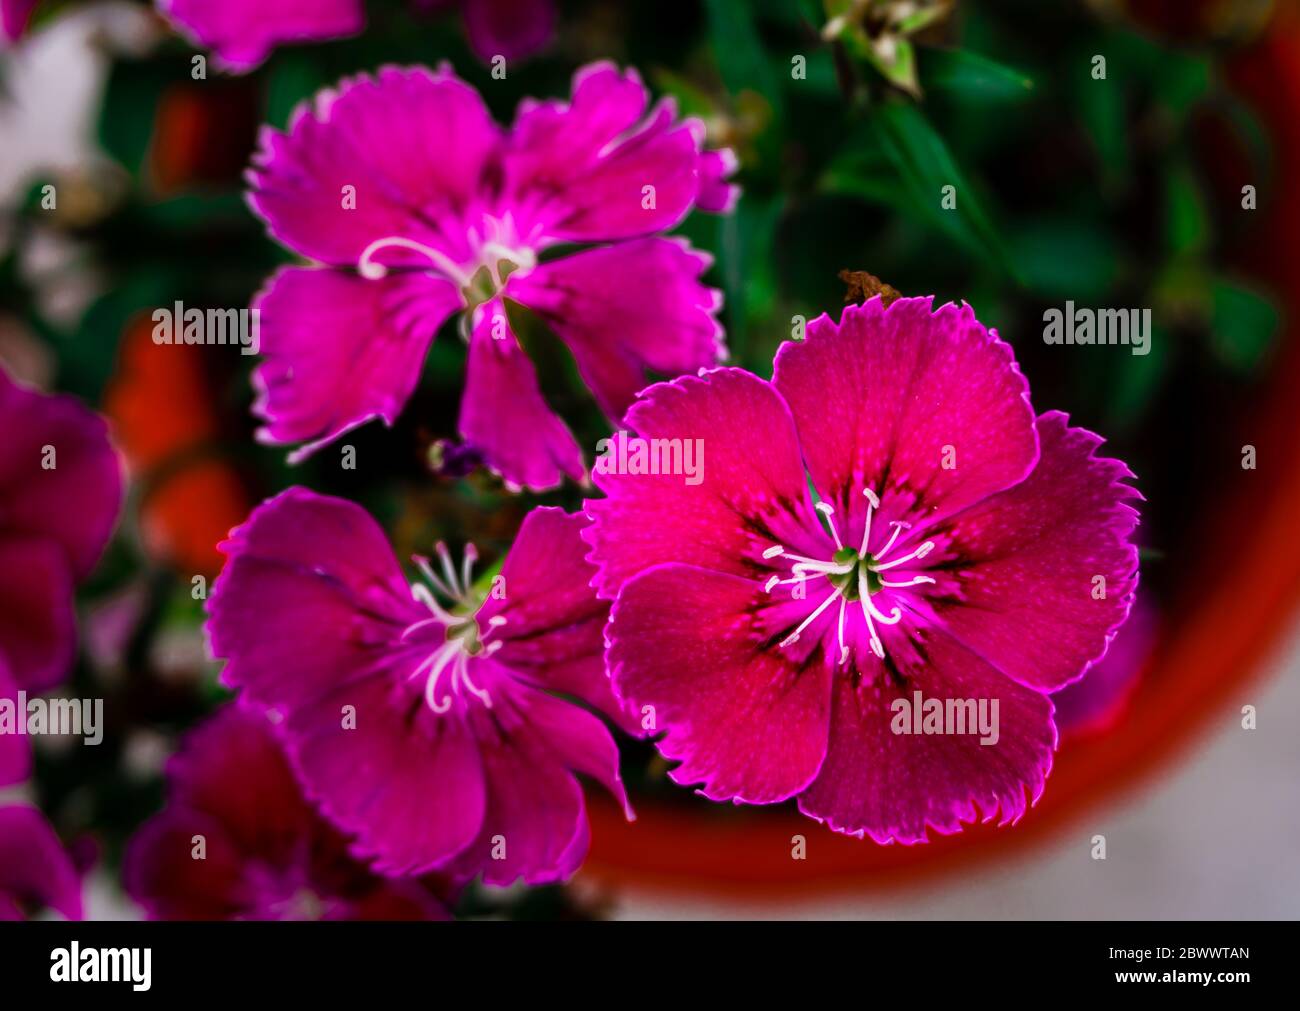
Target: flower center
{"type": "Point", "coordinates": [464, 640]}
{"type": "Point", "coordinates": [498, 252]}
{"type": "Point", "coordinates": [855, 576]}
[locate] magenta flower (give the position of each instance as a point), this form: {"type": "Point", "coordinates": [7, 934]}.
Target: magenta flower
{"type": "Point", "coordinates": [956, 551]}
{"type": "Point", "coordinates": [241, 33]}
{"type": "Point", "coordinates": [266, 854]}
{"type": "Point", "coordinates": [61, 489]}
{"type": "Point", "coordinates": [514, 29]}
{"type": "Point", "coordinates": [35, 870]}
{"type": "Point", "coordinates": [1096, 701]}
{"type": "Point", "coordinates": [14, 18]}
{"type": "Point", "coordinates": [15, 755]}
{"type": "Point", "coordinates": [440, 734]}
{"type": "Point", "coordinates": [422, 207]}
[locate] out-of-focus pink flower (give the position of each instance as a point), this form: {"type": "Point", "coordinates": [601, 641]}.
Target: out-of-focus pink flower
{"type": "Point", "coordinates": [1097, 700]}
{"type": "Point", "coordinates": [61, 489]}
{"type": "Point", "coordinates": [237, 841]}
{"type": "Point", "coordinates": [14, 16]}
{"type": "Point", "coordinates": [442, 734]}
{"type": "Point", "coordinates": [515, 29]}
{"type": "Point", "coordinates": [241, 33]}
{"type": "Point", "coordinates": [35, 870]}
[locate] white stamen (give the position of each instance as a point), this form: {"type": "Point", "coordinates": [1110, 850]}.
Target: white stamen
{"type": "Point", "coordinates": [771, 582]}
{"type": "Point", "coordinates": [844, 650]}
{"type": "Point", "coordinates": [438, 663]}
{"type": "Point", "coordinates": [467, 565]}
{"type": "Point", "coordinates": [372, 271]}
{"type": "Point", "coordinates": [449, 570]}
{"type": "Point", "coordinates": [827, 510]}
{"type": "Point", "coordinates": [899, 526]}
{"type": "Point", "coordinates": [864, 595]}
{"type": "Point", "coordinates": [426, 570]}
{"type": "Point", "coordinates": [793, 636]}
{"type": "Point", "coordinates": [462, 669]}
{"type": "Point", "coordinates": [914, 581]}
{"type": "Point", "coordinates": [422, 594]}
{"type": "Point", "coordinates": [919, 553]}
{"type": "Point", "coordinates": [866, 527]}
{"type": "Point", "coordinates": [774, 551]}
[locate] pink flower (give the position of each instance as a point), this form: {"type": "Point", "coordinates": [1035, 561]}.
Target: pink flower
{"type": "Point", "coordinates": [1098, 700]}
{"type": "Point", "coordinates": [61, 489]}
{"type": "Point", "coordinates": [267, 855]}
{"type": "Point", "coordinates": [421, 207]}
{"type": "Point", "coordinates": [514, 29]}
{"type": "Point", "coordinates": [14, 17]}
{"type": "Point", "coordinates": [956, 550]}
{"type": "Point", "coordinates": [241, 33]}
{"type": "Point", "coordinates": [35, 870]}
{"type": "Point", "coordinates": [440, 733]}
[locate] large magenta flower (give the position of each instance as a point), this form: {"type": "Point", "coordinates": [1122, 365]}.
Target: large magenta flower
{"type": "Point", "coordinates": [422, 207]}
{"type": "Point", "coordinates": [960, 548]}
{"type": "Point", "coordinates": [441, 734]}
{"type": "Point", "coordinates": [60, 493]}
{"type": "Point", "coordinates": [266, 854]}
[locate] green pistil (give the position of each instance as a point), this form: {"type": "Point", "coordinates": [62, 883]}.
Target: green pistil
{"type": "Point", "coordinates": [847, 582]}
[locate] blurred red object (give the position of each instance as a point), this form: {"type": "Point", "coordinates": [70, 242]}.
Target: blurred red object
{"type": "Point", "coordinates": [166, 422]}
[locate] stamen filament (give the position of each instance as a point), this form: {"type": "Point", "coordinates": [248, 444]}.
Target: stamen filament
{"type": "Point", "coordinates": [914, 581]}
{"type": "Point", "coordinates": [449, 570]}
{"type": "Point", "coordinates": [793, 636]}
{"type": "Point", "coordinates": [372, 271]}
{"type": "Point", "coordinates": [919, 553]}
{"type": "Point", "coordinates": [899, 526]}
{"type": "Point", "coordinates": [828, 510]}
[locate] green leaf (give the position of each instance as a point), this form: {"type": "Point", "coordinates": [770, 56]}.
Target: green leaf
{"type": "Point", "coordinates": [1243, 324]}
{"type": "Point", "coordinates": [742, 60]}
{"type": "Point", "coordinates": [1134, 380]}
{"type": "Point", "coordinates": [1187, 221]}
{"type": "Point", "coordinates": [926, 166]}
{"type": "Point", "coordinates": [969, 76]}
{"type": "Point", "coordinates": [1066, 257]}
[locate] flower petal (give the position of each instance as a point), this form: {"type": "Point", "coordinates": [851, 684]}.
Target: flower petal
{"type": "Point", "coordinates": [59, 475]}
{"type": "Point", "coordinates": [34, 866]}
{"type": "Point", "coordinates": [38, 625]}
{"type": "Point", "coordinates": [627, 309]}
{"type": "Point", "coordinates": [514, 29]}
{"type": "Point", "coordinates": [340, 350]}
{"type": "Point", "coordinates": [927, 409]}
{"type": "Point", "coordinates": [15, 755]}
{"type": "Point", "coordinates": [745, 722]}
{"type": "Point", "coordinates": [502, 413]}
{"type": "Point", "coordinates": [535, 824]}
{"type": "Point", "coordinates": [409, 146]}
{"type": "Point", "coordinates": [893, 786]}
{"type": "Point", "coordinates": [716, 195]}
{"type": "Point", "coordinates": [1097, 700]}
{"type": "Point", "coordinates": [744, 500]}
{"type": "Point", "coordinates": [554, 631]}
{"type": "Point", "coordinates": [1025, 593]}
{"type": "Point", "coordinates": [242, 32]}
{"type": "Point", "coordinates": [592, 170]}
{"type": "Point", "coordinates": [160, 872]}
{"type": "Point", "coordinates": [309, 613]}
